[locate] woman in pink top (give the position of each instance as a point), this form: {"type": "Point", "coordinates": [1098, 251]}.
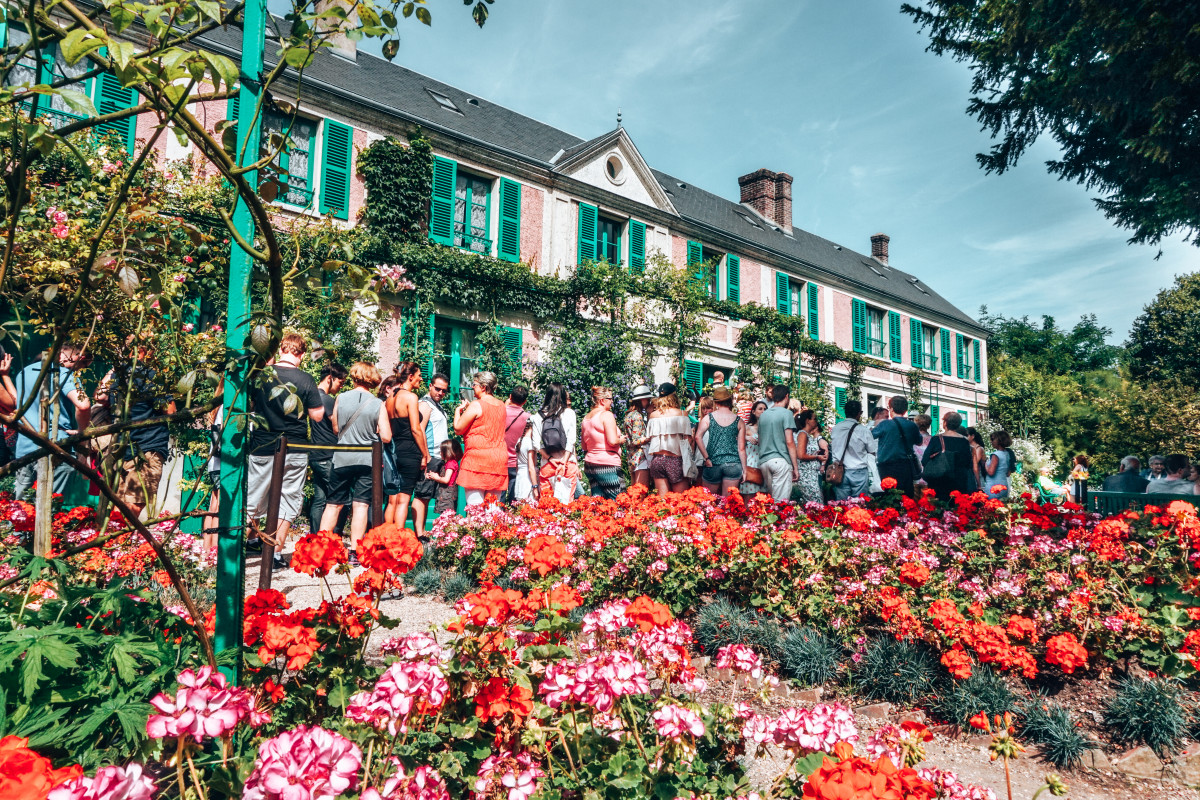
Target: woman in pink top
{"type": "Point", "coordinates": [602, 441]}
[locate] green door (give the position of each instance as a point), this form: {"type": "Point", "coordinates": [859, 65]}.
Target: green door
{"type": "Point", "coordinates": [455, 354]}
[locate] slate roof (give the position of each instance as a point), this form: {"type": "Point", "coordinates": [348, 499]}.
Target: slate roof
{"type": "Point", "coordinates": [397, 90]}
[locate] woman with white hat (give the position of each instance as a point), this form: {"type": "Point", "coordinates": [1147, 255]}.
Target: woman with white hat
{"type": "Point", "coordinates": [635, 435]}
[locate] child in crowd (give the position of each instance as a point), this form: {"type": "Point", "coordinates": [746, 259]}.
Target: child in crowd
{"type": "Point", "coordinates": [446, 475]}
{"type": "Point", "coordinates": [559, 476]}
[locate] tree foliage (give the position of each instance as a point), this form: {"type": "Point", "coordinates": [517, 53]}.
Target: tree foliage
{"type": "Point", "coordinates": [1115, 83]}
{"type": "Point", "coordinates": [1163, 342]}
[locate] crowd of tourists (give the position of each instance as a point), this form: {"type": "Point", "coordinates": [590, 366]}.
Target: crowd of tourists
{"type": "Point", "coordinates": [520, 448]}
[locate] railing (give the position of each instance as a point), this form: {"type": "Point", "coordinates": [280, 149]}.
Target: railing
{"type": "Point", "coordinates": [471, 241]}
{"type": "Point", "coordinates": [876, 347]}
{"type": "Point", "coordinates": [52, 116]}
{"type": "Point", "coordinates": [1111, 503]}
{"type": "Point", "coordinates": [300, 196]}
{"type": "Point", "coordinates": [929, 362]}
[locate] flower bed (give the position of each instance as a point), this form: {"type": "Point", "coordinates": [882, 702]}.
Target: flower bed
{"type": "Point", "coordinates": [1025, 588]}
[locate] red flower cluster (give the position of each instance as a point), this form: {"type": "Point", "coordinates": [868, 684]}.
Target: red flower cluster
{"type": "Point", "coordinates": [648, 614]}
{"type": "Point", "coordinates": [546, 554]}
{"type": "Point", "coordinates": [319, 553]}
{"type": "Point", "coordinates": [499, 698]}
{"type": "Point", "coordinates": [914, 574]}
{"type": "Point", "coordinates": [389, 548]}
{"type": "Point", "coordinates": [856, 778]}
{"type": "Point", "coordinates": [1066, 652]}
{"type": "Point", "coordinates": [25, 775]}
{"type": "Point", "coordinates": [896, 611]}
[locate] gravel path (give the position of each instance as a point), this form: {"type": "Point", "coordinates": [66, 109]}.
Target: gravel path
{"type": "Point", "coordinates": [969, 759]}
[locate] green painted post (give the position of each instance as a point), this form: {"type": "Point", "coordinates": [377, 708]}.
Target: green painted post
{"type": "Point", "coordinates": [231, 567]}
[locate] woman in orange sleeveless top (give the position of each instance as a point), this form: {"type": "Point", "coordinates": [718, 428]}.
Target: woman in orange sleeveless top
{"type": "Point", "coordinates": [484, 467]}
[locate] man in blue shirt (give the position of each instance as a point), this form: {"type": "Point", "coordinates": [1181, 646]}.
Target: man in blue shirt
{"type": "Point", "coordinates": [74, 412]}
{"type": "Point", "coordinates": [897, 436]}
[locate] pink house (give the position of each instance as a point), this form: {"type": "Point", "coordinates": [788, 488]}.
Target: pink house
{"type": "Point", "coordinates": [513, 188]}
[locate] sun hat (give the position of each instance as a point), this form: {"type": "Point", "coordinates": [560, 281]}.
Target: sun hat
{"type": "Point", "coordinates": [641, 392]}
{"type": "Point", "coordinates": [721, 393]}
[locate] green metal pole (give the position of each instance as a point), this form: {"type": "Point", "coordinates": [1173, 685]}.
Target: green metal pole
{"type": "Point", "coordinates": [231, 566]}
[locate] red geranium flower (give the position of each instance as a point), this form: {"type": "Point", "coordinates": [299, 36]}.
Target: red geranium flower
{"type": "Point", "coordinates": [546, 554]}
{"type": "Point", "coordinates": [319, 553]}
{"type": "Point", "coordinates": [914, 574]}
{"type": "Point", "coordinates": [26, 775]}
{"type": "Point", "coordinates": [498, 698]}
{"type": "Point", "coordinates": [1065, 651]}
{"type": "Point", "coordinates": [389, 548]}
{"type": "Point", "coordinates": [647, 614]}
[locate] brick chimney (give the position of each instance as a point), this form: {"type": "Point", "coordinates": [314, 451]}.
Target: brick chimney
{"type": "Point", "coordinates": [758, 192]}
{"type": "Point", "coordinates": [340, 43]}
{"type": "Point", "coordinates": [879, 247]}
{"type": "Point", "coordinates": [783, 201]}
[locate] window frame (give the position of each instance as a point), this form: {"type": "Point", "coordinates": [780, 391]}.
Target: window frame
{"type": "Point", "coordinates": [284, 156]}
{"type": "Point", "coordinates": [717, 259]}
{"type": "Point", "coordinates": [459, 237]}
{"type": "Point", "coordinates": [603, 246]}
{"type": "Point", "coordinates": [881, 351]}
{"type": "Point", "coordinates": [930, 347]}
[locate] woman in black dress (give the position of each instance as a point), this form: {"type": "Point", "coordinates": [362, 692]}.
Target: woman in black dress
{"type": "Point", "coordinates": [949, 444]}
{"type": "Point", "coordinates": [408, 449]}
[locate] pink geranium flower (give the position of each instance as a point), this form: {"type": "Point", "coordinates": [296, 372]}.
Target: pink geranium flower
{"type": "Point", "coordinates": [424, 784]}
{"type": "Point", "coordinates": [110, 783]}
{"type": "Point", "coordinates": [205, 706]}
{"type": "Point", "coordinates": [674, 721]}
{"type": "Point", "coordinates": [304, 764]}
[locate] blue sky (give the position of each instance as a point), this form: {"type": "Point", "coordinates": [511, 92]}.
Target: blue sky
{"type": "Point", "coordinates": [842, 96]}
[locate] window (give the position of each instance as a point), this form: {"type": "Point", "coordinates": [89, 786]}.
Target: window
{"type": "Point", "coordinates": [443, 101]}
{"type": "Point", "coordinates": [967, 358]}
{"type": "Point", "coordinates": [868, 329]}
{"type": "Point", "coordinates": [56, 111]}
{"type": "Point", "coordinates": [713, 260]}
{"type": "Point", "coordinates": [291, 138]}
{"type": "Point", "coordinates": [929, 347]}
{"type": "Point", "coordinates": [615, 169]}
{"type": "Point", "coordinates": [608, 240]}
{"type": "Point", "coordinates": [875, 344]}
{"type": "Point", "coordinates": [472, 198]}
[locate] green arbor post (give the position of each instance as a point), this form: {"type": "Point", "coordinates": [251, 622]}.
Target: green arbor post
{"type": "Point", "coordinates": [230, 557]}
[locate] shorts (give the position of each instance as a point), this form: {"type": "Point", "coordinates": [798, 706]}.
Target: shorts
{"type": "Point", "coordinates": [408, 475]}
{"type": "Point", "coordinates": [731, 471]}
{"type": "Point", "coordinates": [351, 483]}
{"type": "Point", "coordinates": [140, 477]}
{"type": "Point", "coordinates": [668, 468]}
{"type": "Point", "coordinates": [258, 485]}
{"type": "Point", "coordinates": [605, 481]}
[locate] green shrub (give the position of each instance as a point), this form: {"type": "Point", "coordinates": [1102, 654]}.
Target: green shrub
{"type": "Point", "coordinates": [1050, 725]}
{"type": "Point", "coordinates": [723, 622]}
{"type": "Point", "coordinates": [456, 586]}
{"type": "Point", "coordinates": [897, 671]}
{"type": "Point", "coordinates": [984, 691]}
{"type": "Point", "coordinates": [425, 581]}
{"type": "Point", "coordinates": [1149, 711]}
{"type": "Point", "coordinates": [810, 657]}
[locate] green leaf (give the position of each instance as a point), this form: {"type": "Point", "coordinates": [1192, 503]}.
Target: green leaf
{"type": "Point", "coordinates": [121, 53]}
{"type": "Point", "coordinates": [78, 102]}
{"type": "Point", "coordinates": [423, 16]}
{"type": "Point", "coordinates": [121, 17]}
{"type": "Point", "coordinates": [221, 67]}
{"type": "Point", "coordinates": [210, 9]}
{"type": "Point", "coordinates": [78, 43]}
{"type": "Point", "coordinates": [297, 57]}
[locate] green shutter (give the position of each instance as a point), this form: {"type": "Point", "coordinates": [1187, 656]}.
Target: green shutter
{"type": "Point", "coordinates": [512, 338]}
{"type": "Point", "coordinates": [978, 362]}
{"type": "Point", "coordinates": [637, 247]}
{"type": "Point", "coordinates": [695, 258]}
{"type": "Point", "coordinates": [814, 312]}
{"type": "Point", "coordinates": [894, 337]}
{"type": "Point", "coordinates": [231, 113]}
{"type": "Point", "coordinates": [915, 344]}
{"type": "Point", "coordinates": [858, 314]}
{"type": "Point", "coordinates": [441, 206]}
{"type": "Point", "coordinates": [965, 422]}
{"type": "Point", "coordinates": [781, 293]}
{"type": "Point", "coordinates": [839, 403]}
{"type": "Point", "coordinates": [693, 374]}
{"type": "Point", "coordinates": [335, 169]}
{"type": "Point", "coordinates": [959, 356]}
{"type": "Point", "coordinates": [111, 97]}
{"type": "Point", "coordinates": [588, 218]}
{"type": "Point", "coordinates": [733, 278]}
{"type": "Point", "coordinates": [936, 413]}
{"type": "Point", "coordinates": [509, 241]}
{"type": "Point", "coordinates": [945, 352]}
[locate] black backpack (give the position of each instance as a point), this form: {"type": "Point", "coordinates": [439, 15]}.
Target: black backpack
{"type": "Point", "coordinates": [554, 435]}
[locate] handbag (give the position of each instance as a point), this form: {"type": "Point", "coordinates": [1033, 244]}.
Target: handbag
{"type": "Point", "coordinates": [835, 473]}
{"type": "Point", "coordinates": [939, 467]}
{"type": "Point", "coordinates": [754, 475]}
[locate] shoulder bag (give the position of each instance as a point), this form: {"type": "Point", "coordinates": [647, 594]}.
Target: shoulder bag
{"type": "Point", "coordinates": [940, 464]}
{"type": "Point", "coordinates": [835, 473]}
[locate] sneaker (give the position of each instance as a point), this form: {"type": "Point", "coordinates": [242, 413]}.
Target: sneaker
{"type": "Point", "coordinates": [253, 546]}
{"type": "Point", "coordinates": [278, 563]}
{"type": "Point", "coordinates": [354, 559]}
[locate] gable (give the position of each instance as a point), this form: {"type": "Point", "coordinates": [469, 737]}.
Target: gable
{"type": "Point", "coordinates": [612, 163]}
